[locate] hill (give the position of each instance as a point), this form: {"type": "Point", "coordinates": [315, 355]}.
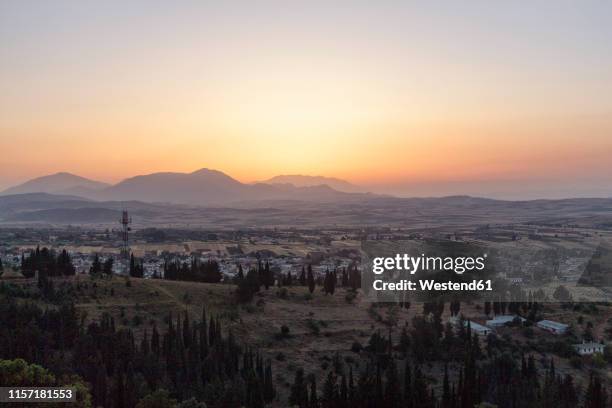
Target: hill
{"type": "Point", "coordinates": [58, 183]}
{"type": "Point", "coordinates": [211, 187]}
{"type": "Point", "coordinates": [322, 331]}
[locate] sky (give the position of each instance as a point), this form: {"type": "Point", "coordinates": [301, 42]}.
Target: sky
{"type": "Point", "coordinates": [485, 98]}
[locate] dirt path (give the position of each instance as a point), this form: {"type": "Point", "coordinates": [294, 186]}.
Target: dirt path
{"type": "Point", "coordinates": [161, 288]}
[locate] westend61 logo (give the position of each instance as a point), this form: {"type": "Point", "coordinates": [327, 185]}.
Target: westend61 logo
{"type": "Point", "coordinates": [412, 264]}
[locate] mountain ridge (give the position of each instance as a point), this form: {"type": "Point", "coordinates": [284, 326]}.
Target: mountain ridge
{"type": "Point", "coordinates": [56, 183]}
{"type": "Point", "coordinates": [200, 187]}
{"type": "Point", "coordinates": [301, 180]}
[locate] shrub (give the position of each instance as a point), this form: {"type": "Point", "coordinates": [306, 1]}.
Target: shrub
{"type": "Point", "coordinates": [313, 326]}
{"type": "Point", "coordinates": [159, 399]}
{"type": "Point", "coordinates": [608, 353]}
{"type": "Point", "coordinates": [282, 293]}
{"type": "Point", "coordinates": [576, 362]}
{"type": "Point", "coordinates": [284, 333]}
{"type": "Point", "coordinates": [599, 361]}
{"type": "Point", "coordinates": [191, 403]}
{"type": "Point", "coordinates": [356, 347]}
{"type": "Point", "coordinates": [136, 320]}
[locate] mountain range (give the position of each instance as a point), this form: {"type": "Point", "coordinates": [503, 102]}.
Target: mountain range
{"type": "Point", "coordinates": [299, 180]}
{"type": "Point", "coordinates": [213, 199]}
{"type": "Point", "coordinates": [202, 187]}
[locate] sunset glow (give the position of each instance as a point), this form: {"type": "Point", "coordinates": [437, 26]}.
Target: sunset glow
{"type": "Point", "coordinates": [388, 96]}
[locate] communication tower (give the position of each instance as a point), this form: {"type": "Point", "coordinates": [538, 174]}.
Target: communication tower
{"type": "Point", "coordinates": [125, 222]}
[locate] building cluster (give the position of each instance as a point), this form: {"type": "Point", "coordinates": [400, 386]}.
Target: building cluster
{"type": "Point", "coordinates": [286, 251]}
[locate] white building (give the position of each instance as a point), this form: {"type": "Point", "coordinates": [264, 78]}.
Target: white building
{"type": "Point", "coordinates": [502, 320]}
{"type": "Point", "coordinates": [553, 327]}
{"type": "Point", "coordinates": [589, 348]}
{"type": "Point", "coordinates": [479, 329]}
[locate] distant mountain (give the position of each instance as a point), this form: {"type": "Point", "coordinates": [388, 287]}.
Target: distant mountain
{"type": "Point", "coordinates": [203, 186]}
{"type": "Point", "coordinates": [212, 187]}
{"type": "Point", "coordinates": [309, 181]}
{"type": "Point", "coordinates": [58, 183]}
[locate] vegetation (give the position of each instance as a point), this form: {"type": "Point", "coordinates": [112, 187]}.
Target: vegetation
{"type": "Point", "coordinates": [142, 362]}
{"type": "Point", "coordinates": [47, 263]}
{"type": "Point", "coordinates": [195, 271]}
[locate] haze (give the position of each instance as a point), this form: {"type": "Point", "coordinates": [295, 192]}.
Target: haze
{"type": "Point", "coordinates": [489, 99]}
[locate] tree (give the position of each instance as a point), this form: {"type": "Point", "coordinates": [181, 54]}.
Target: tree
{"type": "Point", "coordinates": [446, 395]}
{"type": "Point", "coordinates": [45, 262]}
{"type": "Point", "coordinates": [132, 265]}
{"type": "Point", "coordinates": [136, 267]}
{"type": "Point", "coordinates": [239, 275]}
{"type": "Point", "coordinates": [303, 277]}
{"type": "Point", "coordinates": [248, 287]}
{"type": "Point", "coordinates": [158, 399]}
{"type": "Point", "coordinates": [64, 264]}
{"type": "Point", "coordinates": [330, 390]}
{"type": "Point", "coordinates": [392, 390]}
{"type": "Point", "coordinates": [314, 398]}
{"type": "Point", "coordinates": [96, 266]}
{"type": "Point", "coordinates": [267, 276]}
{"type": "Point", "coordinates": [108, 266]}
{"type": "Point", "coordinates": [191, 403]}
{"type": "Point", "coordinates": [562, 294]}
{"type": "Point", "coordinates": [596, 394]}
{"type": "Point", "coordinates": [18, 373]}
{"type": "Point", "coordinates": [329, 283]}
{"type": "Point", "coordinates": [299, 395]}
{"type": "Point", "coordinates": [487, 308]}
{"type": "Point", "coordinates": [311, 279]}
{"type": "Point", "coordinates": [268, 389]}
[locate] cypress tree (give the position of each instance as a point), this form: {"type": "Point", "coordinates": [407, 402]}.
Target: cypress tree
{"type": "Point", "coordinates": [314, 399]}
{"type": "Point", "coordinates": [311, 279]}
{"type": "Point", "coordinates": [299, 395]}
{"type": "Point", "coordinates": [446, 395]}
{"type": "Point", "coordinates": [392, 389]}
{"type": "Point", "coordinates": [343, 391]}
{"type": "Point", "coordinates": [330, 390]}
{"type": "Point", "coordinates": [408, 392]}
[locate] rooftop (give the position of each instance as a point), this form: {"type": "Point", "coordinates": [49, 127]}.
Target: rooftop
{"type": "Point", "coordinates": [552, 324]}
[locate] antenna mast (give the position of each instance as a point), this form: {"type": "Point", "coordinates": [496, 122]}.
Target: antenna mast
{"type": "Point", "coordinates": [125, 222]}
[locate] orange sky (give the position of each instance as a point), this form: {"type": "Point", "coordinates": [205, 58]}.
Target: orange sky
{"type": "Point", "coordinates": [385, 96]}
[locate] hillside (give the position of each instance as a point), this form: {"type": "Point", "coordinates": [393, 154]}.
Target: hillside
{"type": "Point", "coordinates": [321, 327]}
